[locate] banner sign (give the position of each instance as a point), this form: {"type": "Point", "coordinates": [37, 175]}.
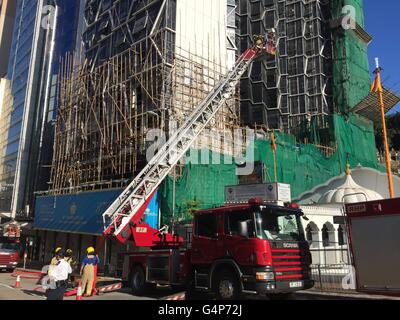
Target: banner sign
{"type": "Point", "coordinates": [81, 213]}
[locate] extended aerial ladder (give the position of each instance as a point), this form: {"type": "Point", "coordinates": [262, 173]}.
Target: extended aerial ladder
{"type": "Point", "coordinates": [126, 212]}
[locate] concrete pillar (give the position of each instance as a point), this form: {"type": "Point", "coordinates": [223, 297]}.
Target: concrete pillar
{"type": "Point", "coordinates": [321, 248]}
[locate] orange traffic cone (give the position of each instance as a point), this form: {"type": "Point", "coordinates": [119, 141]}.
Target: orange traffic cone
{"type": "Point", "coordinates": [18, 282]}
{"type": "Point", "coordinates": [79, 292]}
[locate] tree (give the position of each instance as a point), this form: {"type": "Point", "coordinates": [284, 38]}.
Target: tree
{"type": "Point", "coordinates": [191, 206]}
{"type": "Point", "coordinates": [393, 129]}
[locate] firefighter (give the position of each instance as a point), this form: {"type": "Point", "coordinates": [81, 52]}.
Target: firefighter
{"type": "Point", "coordinates": [54, 260]}
{"type": "Point", "coordinates": [70, 259]}
{"type": "Point", "coordinates": [88, 271]}
{"type": "Point", "coordinates": [259, 40]}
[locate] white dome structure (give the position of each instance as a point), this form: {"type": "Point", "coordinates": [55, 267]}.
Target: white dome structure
{"type": "Point", "coordinates": [349, 192]}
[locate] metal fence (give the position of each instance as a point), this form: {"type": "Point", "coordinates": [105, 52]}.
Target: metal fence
{"type": "Point", "coordinates": [332, 254]}
{"type": "Point", "coordinates": [335, 278]}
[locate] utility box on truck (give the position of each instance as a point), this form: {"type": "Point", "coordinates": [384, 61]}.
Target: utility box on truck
{"type": "Point", "coordinates": [276, 193]}
{"type": "Point", "coordinates": [375, 245]}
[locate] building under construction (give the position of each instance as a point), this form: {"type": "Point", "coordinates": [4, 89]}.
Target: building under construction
{"type": "Point", "coordinates": [144, 69]}
{"type": "Point", "coordinates": [149, 63]}
{"type": "Point", "coordinates": [284, 91]}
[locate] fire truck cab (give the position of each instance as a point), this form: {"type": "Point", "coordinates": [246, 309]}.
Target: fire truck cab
{"type": "Point", "coordinates": [9, 253]}
{"type": "Point", "coordinates": [252, 248]}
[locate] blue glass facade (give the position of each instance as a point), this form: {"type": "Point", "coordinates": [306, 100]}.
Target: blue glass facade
{"type": "Point", "coordinates": [67, 39]}
{"type": "Point", "coordinates": [33, 71]}
{"type": "Point", "coordinates": [18, 72]}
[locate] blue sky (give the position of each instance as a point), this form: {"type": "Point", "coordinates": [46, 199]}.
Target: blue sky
{"type": "Point", "coordinates": [382, 19]}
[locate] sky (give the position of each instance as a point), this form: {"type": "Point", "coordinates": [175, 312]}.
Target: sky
{"type": "Point", "coordinates": [382, 21]}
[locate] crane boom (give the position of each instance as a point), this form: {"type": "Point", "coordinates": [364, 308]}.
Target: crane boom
{"type": "Point", "coordinates": [128, 209]}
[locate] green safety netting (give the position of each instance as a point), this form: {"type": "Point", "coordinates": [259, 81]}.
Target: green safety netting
{"type": "Point", "coordinates": [351, 75]}
{"type": "Point", "coordinates": [200, 186]}
{"type": "Point", "coordinates": [338, 5]}
{"type": "Point", "coordinates": [302, 166]}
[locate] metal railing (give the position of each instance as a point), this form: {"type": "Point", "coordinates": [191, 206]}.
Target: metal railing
{"type": "Point", "coordinates": [331, 267]}
{"type": "Point", "coordinates": [335, 278]}
{"type": "Point", "coordinates": [329, 253]}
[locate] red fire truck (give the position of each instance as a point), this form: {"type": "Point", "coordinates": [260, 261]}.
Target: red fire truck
{"type": "Point", "coordinates": [253, 248]}
{"type": "Point", "coordinates": [9, 253]}
{"type": "Point", "coordinates": [375, 241]}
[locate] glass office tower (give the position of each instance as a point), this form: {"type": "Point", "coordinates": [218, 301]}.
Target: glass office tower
{"type": "Point", "coordinates": [19, 74]}
{"type": "Point", "coordinates": [44, 31]}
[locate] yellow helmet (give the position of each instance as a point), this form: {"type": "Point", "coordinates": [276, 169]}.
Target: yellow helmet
{"type": "Point", "coordinates": [58, 249]}
{"type": "Point", "coordinates": [90, 250]}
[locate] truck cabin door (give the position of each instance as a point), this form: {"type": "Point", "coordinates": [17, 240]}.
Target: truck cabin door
{"type": "Point", "coordinates": [206, 246]}
{"type": "Point", "coordinates": [237, 246]}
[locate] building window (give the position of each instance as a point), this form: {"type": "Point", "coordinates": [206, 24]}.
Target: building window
{"type": "Point", "coordinates": [312, 235]}
{"type": "Point", "coordinates": [325, 236]}
{"type": "Point", "coordinates": [328, 235]}
{"type": "Point", "coordinates": [341, 236]}
{"type": "Point", "coordinates": [309, 237]}
{"type": "Point", "coordinates": [206, 225]}
{"type": "Point", "coordinates": [234, 218]}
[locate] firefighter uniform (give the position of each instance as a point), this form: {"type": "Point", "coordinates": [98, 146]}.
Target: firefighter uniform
{"type": "Point", "coordinates": [258, 40]}
{"type": "Point", "coordinates": [54, 260]}
{"type": "Point", "coordinates": [70, 259]}
{"type": "Point", "coordinates": [88, 270]}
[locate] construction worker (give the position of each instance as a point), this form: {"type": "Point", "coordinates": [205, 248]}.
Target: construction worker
{"type": "Point", "coordinates": [88, 271]}
{"type": "Point", "coordinates": [59, 278]}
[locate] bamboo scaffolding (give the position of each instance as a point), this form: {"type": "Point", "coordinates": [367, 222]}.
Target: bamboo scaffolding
{"type": "Point", "coordinates": [106, 112]}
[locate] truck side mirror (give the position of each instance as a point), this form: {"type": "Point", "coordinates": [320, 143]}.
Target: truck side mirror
{"type": "Point", "coordinates": [243, 229]}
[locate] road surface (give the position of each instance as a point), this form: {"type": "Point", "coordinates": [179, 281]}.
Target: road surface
{"type": "Point", "coordinates": [27, 292]}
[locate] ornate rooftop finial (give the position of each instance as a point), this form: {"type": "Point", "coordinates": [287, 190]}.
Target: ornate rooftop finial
{"type": "Point", "coordinates": [348, 169]}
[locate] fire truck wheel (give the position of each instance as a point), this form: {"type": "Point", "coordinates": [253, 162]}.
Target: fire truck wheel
{"type": "Point", "coordinates": [226, 286]}
{"type": "Point", "coordinates": [138, 281]}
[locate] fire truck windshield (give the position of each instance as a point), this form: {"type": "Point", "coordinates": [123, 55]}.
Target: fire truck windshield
{"type": "Point", "coordinates": [9, 247]}
{"type": "Point", "coordinates": [278, 224]}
